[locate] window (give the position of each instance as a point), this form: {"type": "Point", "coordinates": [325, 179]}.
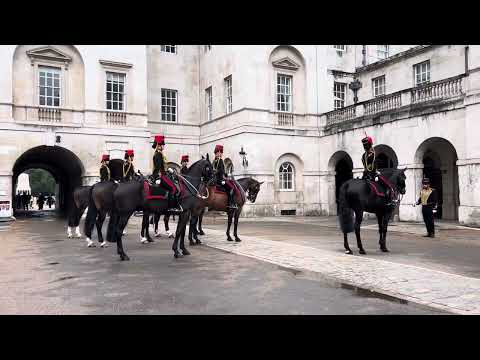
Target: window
{"type": "Point", "coordinates": [339, 90]}
{"type": "Point", "coordinates": [378, 85]}
{"type": "Point", "coordinates": [284, 93]}
{"type": "Point", "coordinates": [115, 91]}
{"type": "Point", "coordinates": [382, 51]}
{"type": "Point", "coordinates": [169, 105]}
{"type": "Point", "coordinates": [208, 102]}
{"type": "Point", "coordinates": [207, 47]}
{"type": "Point", "coordinates": [286, 176]}
{"type": "Point", "coordinates": [421, 73]}
{"type": "Point", "coordinates": [340, 47]}
{"type": "Point", "coordinates": [169, 48]}
{"type": "Point", "coordinates": [228, 94]}
{"type": "Point", "coordinates": [49, 86]}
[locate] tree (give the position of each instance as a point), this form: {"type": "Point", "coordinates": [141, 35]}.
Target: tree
{"type": "Point", "coordinates": [41, 181]}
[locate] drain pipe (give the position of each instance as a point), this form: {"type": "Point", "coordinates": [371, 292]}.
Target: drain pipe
{"type": "Point", "coordinates": [466, 60]}
{"type": "Point", "coordinates": [364, 55]}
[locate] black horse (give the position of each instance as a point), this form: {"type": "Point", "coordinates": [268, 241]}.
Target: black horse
{"type": "Point", "coordinates": [251, 187]}
{"type": "Point", "coordinates": [130, 196]}
{"type": "Point", "coordinates": [99, 202]}
{"type": "Point", "coordinates": [357, 196]}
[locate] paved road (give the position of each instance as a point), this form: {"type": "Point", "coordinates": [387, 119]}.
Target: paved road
{"type": "Point", "coordinates": [42, 272]}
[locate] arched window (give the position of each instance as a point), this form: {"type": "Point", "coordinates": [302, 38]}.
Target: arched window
{"type": "Point", "coordinates": [286, 174]}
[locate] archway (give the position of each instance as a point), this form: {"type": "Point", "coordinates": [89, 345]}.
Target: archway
{"type": "Point", "coordinates": [341, 163]}
{"type": "Point", "coordinates": [64, 165]}
{"type": "Point", "coordinates": [439, 158]}
{"type": "Point", "coordinates": [386, 157]}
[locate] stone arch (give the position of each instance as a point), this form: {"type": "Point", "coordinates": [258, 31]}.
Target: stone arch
{"type": "Point", "coordinates": [386, 157]}
{"type": "Point", "coordinates": [288, 60]}
{"type": "Point", "coordinates": [340, 166]}
{"type": "Point", "coordinates": [25, 78]}
{"type": "Point", "coordinates": [439, 159]}
{"type": "Point", "coordinates": [66, 168]}
{"type": "Point", "coordinates": [229, 168]}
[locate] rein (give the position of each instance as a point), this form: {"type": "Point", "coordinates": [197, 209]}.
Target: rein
{"type": "Point", "coordinates": [190, 184]}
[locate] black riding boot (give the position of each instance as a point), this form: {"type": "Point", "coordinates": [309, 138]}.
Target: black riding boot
{"type": "Point", "coordinates": [173, 205]}
{"type": "Point", "coordinates": [231, 200]}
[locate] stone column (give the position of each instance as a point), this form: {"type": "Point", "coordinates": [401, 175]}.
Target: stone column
{"type": "Point", "coordinates": [328, 205]}
{"type": "Point", "coordinates": [414, 174]}
{"type": "Point", "coordinates": [6, 205]}
{"type": "Point", "coordinates": [469, 188]}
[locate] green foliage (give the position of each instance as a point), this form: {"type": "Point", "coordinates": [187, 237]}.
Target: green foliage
{"type": "Point", "coordinates": [41, 181]}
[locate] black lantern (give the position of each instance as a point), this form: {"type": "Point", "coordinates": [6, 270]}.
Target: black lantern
{"type": "Point", "coordinates": [355, 85]}
{"type": "Point", "coordinates": [243, 154]}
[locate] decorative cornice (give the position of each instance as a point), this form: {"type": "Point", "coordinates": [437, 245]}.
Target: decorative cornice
{"type": "Point", "coordinates": [116, 64]}
{"type": "Point", "coordinates": [286, 63]}
{"type": "Point", "coordinates": [48, 53]}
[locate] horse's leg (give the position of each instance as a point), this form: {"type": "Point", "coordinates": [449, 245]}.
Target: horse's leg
{"type": "Point", "coordinates": [358, 222]}
{"type": "Point", "coordinates": [191, 232]}
{"type": "Point", "coordinates": [230, 217]}
{"type": "Point", "coordinates": [100, 220]}
{"type": "Point", "coordinates": [156, 219]}
{"type": "Point", "coordinates": [345, 244]}
{"type": "Point", "coordinates": [380, 228]}
{"type": "Point", "coordinates": [166, 219]}
{"type": "Point", "coordinates": [235, 224]}
{"type": "Point", "coordinates": [122, 222]}
{"type": "Point", "coordinates": [145, 225]}
{"type": "Point", "coordinates": [195, 231]}
{"type": "Point", "coordinates": [78, 216]}
{"type": "Point", "coordinates": [383, 243]}
{"type": "Point", "coordinates": [200, 219]}
{"type": "Point", "coordinates": [184, 229]}
{"type": "Point", "coordinates": [178, 234]}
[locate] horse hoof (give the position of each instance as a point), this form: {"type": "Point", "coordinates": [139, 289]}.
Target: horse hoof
{"type": "Point", "coordinates": [185, 252]}
{"type": "Point", "coordinates": [384, 250]}
{"type": "Point", "coordinates": [201, 232]}
{"type": "Point", "coordinates": [229, 239]}
{"type": "Point", "coordinates": [348, 252]}
{"type": "Point", "coordinates": [90, 243]}
{"type": "Point", "coordinates": [104, 244]}
{"type": "Point", "coordinates": [238, 239]}
{"type": "Point", "coordinates": [198, 242]}
{"type": "Point", "coordinates": [124, 258]}
{"type": "Point", "coordinates": [177, 255]}
{"type": "Point", "coordinates": [362, 252]}
{"type": "Point", "coordinates": [69, 236]}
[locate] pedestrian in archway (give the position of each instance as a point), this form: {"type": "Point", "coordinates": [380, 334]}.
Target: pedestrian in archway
{"type": "Point", "coordinates": [429, 199]}
{"type": "Point", "coordinates": [40, 201]}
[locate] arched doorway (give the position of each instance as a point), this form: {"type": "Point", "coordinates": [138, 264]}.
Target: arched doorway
{"type": "Point", "coordinates": [439, 158]}
{"type": "Point", "coordinates": [341, 163]}
{"type": "Point", "coordinates": [64, 165]}
{"type": "Point", "coordinates": [386, 157]}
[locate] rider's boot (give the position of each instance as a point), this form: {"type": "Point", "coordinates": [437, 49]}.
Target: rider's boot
{"type": "Point", "coordinates": [231, 200]}
{"type": "Point", "coordinates": [173, 204]}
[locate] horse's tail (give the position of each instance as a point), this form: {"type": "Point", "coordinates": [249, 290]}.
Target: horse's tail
{"type": "Point", "coordinates": [91, 215]}
{"type": "Point", "coordinates": [345, 213]}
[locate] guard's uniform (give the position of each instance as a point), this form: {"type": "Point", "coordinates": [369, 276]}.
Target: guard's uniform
{"type": "Point", "coordinates": [184, 163]}
{"type": "Point", "coordinates": [428, 198]}
{"type": "Point", "coordinates": [128, 169]}
{"type": "Point", "coordinates": [160, 172]}
{"type": "Point", "coordinates": [104, 169]}
{"type": "Point", "coordinates": [221, 179]}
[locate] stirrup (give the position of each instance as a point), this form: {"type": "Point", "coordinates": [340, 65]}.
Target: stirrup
{"type": "Point", "coordinates": [176, 210]}
{"type": "Point", "coordinates": [233, 206]}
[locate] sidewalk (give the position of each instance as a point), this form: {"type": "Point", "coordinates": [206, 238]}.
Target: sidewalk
{"type": "Point", "coordinates": [436, 289]}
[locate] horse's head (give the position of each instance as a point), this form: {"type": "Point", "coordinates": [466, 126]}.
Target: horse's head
{"type": "Point", "coordinates": [206, 169]}
{"type": "Point", "coordinates": [253, 189]}
{"type": "Point", "coordinates": [398, 180]}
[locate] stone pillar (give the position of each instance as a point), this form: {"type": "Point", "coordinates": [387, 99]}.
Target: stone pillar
{"type": "Point", "coordinates": [469, 187]}
{"type": "Point", "coordinates": [6, 205]}
{"type": "Point", "coordinates": [414, 174]}
{"type": "Point", "coordinates": [328, 205]}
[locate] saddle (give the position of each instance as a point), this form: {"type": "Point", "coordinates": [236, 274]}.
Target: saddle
{"type": "Point", "coordinates": [375, 186]}
{"type": "Point", "coordinates": [154, 191]}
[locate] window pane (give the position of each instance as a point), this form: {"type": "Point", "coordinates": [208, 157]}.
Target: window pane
{"type": "Point", "coordinates": [42, 81]}
{"type": "Point", "coordinates": [120, 88]}
{"type": "Point", "coordinates": [120, 106]}
{"type": "Point", "coordinates": [49, 91]}
{"type": "Point", "coordinates": [42, 91]}
{"type": "Point", "coordinates": [42, 100]}
{"type": "Point", "coordinates": [49, 101]}
{"type": "Point", "coordinates": [120, 97]}
{"type": "Point", "coordinates": [56, 92]}
{"type": "Point", "coordinates": [56, 102]}
{"type": "Point", "coordinates": [109, 96]}
{"type": "Point", "coordinates": [109, 86]}
{"type": "Point", "coordinates": [115, 87]}
{"type": "Point", "coordinates": [49, 81]}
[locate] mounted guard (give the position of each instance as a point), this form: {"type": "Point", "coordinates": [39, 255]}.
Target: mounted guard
{"type": "Point", "coordinates": [371, 173]}
{"type": "Point", "coordinates": [165, 177]}
{"type": "Point", "coordinates": [104, 169]}
{"type": "Point", "coordinates": [221, 179]}
{"type": "Point", "coordinates": [128, 169]}
{"type": "Point", "coordinates": [184, 164]}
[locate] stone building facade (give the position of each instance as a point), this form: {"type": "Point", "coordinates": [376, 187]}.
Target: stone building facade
{"type": "Point", "coordinates": [290, 109]}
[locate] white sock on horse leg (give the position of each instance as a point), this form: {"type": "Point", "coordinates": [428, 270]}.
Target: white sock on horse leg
{"type": "Point", "coordinates": [77, 231]}
{"type": "Point", "coordinates": [69, 231]}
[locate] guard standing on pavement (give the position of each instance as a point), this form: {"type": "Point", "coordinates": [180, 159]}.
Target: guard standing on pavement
{"type": "Point", "coordinates": [104, 169]}
{"type": "Point", "coordinates": [428, 198]}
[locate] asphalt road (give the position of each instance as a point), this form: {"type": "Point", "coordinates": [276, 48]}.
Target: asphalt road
{"type": "Point", "coordinates": [43, 272]}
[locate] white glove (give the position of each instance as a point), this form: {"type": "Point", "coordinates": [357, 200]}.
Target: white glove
{"type": "Point", "coordinates": [170, 170]}
{"type": "Point", "coordinates": [223, 182]}
{"type": "Point", "coordinates": [376, 178]}
{"type": "Point", "coordinates": [116, 182]}
{"type": "Point", "coordinates": [158, 181]}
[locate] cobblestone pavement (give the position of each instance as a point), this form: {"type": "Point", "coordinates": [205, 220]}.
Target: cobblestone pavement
{"type": "Point", "coordinates": [43, 272]}
{"type": "Point", "coordinates": [409, 272]}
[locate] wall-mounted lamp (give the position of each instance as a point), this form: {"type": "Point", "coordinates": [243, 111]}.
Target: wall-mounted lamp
{"type": "Point", "coordinates": [58, 139]}
{"type": "Point", "coordinates": [243, 154]}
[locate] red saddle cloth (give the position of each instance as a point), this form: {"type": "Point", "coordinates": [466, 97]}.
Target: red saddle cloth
{"type": "Point", "coordinates": [220, 190]}
{"type": "Point", "coordinates": [153, 192]}
{"type": "Point", "coordinates": [374, 186]}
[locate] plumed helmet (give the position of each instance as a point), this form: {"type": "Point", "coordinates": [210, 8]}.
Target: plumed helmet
{"type": "Point", "coordinates": [367, 140]}
{"type": "Point", "coordinates": [184, 158]}
{"type": "Point", "coordinates": [105, 157]}
{"type": "Point", "coordinates": [218, 148]}
{"type": "Point", "coordinates": [159, 140]}
{"type": "Point", "coordinates": [129, 153]}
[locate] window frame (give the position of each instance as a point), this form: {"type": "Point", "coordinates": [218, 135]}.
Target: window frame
{"type": "Point", "coordinates": [289, 96]}
{"type": "Point", "coordinates": [59, 71]}
{"type": "Point", "coordinates": [209, 103]}
{"type": "Point", "coordinates": [124, 102]}
{"type": "Point", "coordinates": [207, 48]}
{"type": "Point", "coordinates": [281, 176]}
{"type": "Point", "coordinates": [335, 98]}
{"type": "Point", "coordinates": [374, 87]}
{"type": "Point", "coordinates": [428, 72]}
{"type": "Point", "coordinates": [342, 48]}
{"type": "Point", "coordinates": [228, 94]}
{"type": "Point", "coordinates": [385, 52]}
{"type": "Point", "coordinates": [171, 91]}
{"type": "Point", "coordinates": [163, 48]}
